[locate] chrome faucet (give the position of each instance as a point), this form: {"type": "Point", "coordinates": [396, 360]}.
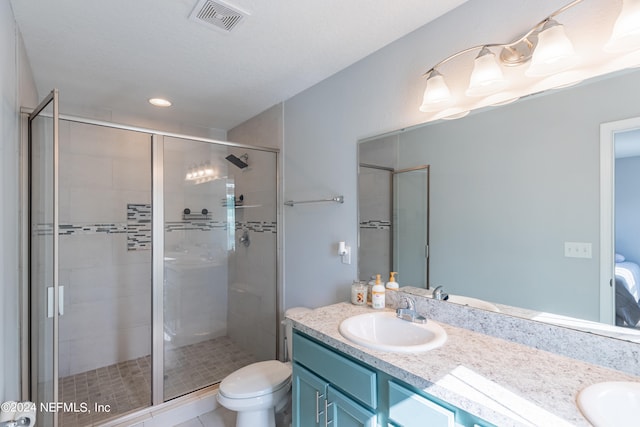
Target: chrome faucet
{"type": "Point", "coordinates": [439, 294]}
{"type": "Point", "coordinates": [409, 313]}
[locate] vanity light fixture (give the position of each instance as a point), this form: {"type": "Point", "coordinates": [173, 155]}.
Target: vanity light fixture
{"type": "Point", "coordinates": [625, 36]}
{"type": "Point", "coordinates": [160, 102]}
{"type": "Point", "coordinates": [499, 75]}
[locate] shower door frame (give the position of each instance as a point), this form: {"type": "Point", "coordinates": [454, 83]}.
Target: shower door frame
{"type": "Point", "coordinates": [30, 321]}
{"type": "Point", "coordinates": [157, 191]}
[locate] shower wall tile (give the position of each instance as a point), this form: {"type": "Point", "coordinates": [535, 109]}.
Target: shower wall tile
{"type": "Point", "coordinates": [107, 284]}
{"type": "Point", "coordinates": [91, 205]}
{"type": "Point", "coordinates": [131, 174]}
{"type": "Point", "coordinates": [88, 319]}
{"type": "Point", "coordinates": [84, 251]}
{"type": "Point", "coordinates": [106, 142]}
{"type": "Point", "coordinates": [101, 350]}
{"type": "Point", "coordinates": [82, 171]}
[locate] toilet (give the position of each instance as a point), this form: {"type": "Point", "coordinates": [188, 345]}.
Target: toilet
{"type": "Point", "coordinates": [260, 389]}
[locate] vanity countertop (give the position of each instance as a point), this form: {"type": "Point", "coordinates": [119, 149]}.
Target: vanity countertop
{"type": "Point", "coordinates": [502, 382]}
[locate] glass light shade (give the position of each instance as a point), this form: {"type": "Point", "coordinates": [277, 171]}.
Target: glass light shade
{"type": "Point", "coordinates": [437, 94]}
{"type": "Point", "coordinates": [553, 53]}
{"type": "Point", "coordinates": [486, 77]}
{"type": "Point", "coordinates": [625, 35]}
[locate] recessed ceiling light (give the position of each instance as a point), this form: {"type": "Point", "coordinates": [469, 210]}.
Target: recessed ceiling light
{"type": "Point", "coordinates": [159, 102]}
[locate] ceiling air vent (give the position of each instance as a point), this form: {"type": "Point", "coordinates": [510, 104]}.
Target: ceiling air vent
{"type": "Point", "coordinates": [218, 15]}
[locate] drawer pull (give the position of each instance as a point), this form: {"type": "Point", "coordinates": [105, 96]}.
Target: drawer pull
{"type": "Point", "coordinates": [326, 413]}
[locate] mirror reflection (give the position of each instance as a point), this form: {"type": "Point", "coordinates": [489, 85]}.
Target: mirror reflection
{"type": "Point", "coordinates": [393, 217]}
{"type": "Point", "coordinates": [515, 204]}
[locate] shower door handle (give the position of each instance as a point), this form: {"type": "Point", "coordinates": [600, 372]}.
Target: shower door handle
{"type": "Point", "coordinates": [50, 301]}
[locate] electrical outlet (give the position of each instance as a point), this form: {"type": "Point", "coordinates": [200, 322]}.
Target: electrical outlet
{"type": "Point", "coordinates": [346, 257]}
{"type": "Point", "coordinates": [577, 250]}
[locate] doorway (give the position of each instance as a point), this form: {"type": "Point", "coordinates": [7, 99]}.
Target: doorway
{"type": "Point", "coordinates": [619, 145]}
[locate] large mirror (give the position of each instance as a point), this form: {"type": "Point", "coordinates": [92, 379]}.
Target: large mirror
{"type": "Point", "coordinates": [515, 199]}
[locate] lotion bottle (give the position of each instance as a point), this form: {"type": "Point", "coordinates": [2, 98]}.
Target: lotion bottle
{"type": "Point", "coordinates": [392, 285]}
{"type": "Point", "coordinates": [370, 289]}
{"type": "Point", "coordinates": [377, 297]}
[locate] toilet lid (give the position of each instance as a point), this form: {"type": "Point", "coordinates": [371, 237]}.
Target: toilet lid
{"type": "Point", "coordinates": [256, 379]}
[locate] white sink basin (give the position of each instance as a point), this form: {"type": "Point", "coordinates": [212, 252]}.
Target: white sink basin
{"type": "Point", "coordinates": [614, 404]}
{"type": "Point", "coordinates": [384, 331]}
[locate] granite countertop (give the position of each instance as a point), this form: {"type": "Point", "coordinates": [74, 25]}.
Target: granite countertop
{"type": "Point", "coordinates": [502, 382]}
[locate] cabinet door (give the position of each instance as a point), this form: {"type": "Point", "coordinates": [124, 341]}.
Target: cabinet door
{"type": "Point", "coordinates": [345, 412]}
{"type": "Point", "coordinates": [409, 409]}
{"type": "Point", "coordinates": [309, 392]}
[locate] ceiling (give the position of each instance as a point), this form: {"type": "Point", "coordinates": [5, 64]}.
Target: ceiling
{"type": "Point", "coordinates": [114, 55]}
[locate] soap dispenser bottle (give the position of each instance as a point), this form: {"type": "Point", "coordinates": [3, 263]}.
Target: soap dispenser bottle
{"type": "Point", "coordinates": [377, 294]}
{"type": "Point", "coordinates": [392, 286]}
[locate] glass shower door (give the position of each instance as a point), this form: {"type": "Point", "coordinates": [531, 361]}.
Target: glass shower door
{"type": "Point", "coordinates": [219, 267]}
{"type": "Point", "coordinates": [198, 236]}
{"type": "Point", "coordinates": [411, 226]}
{"type": "Point", "coordinates": [46, 295]}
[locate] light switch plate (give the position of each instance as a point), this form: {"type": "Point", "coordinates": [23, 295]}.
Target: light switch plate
{"type": "Point", "coordinates": [577, 250]}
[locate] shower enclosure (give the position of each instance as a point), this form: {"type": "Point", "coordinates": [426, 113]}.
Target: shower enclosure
{"type": "Point", "coordinates": [153, 264]}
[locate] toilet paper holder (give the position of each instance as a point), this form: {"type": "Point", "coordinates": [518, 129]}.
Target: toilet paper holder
{"type": "Point", "coordinates": [24, 421]}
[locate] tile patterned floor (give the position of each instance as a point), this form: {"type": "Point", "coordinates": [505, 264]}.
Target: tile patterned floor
{"type": "Point", "coordinates": [221, 417]}
{"type": "Point", "coordinates": [126, 386]}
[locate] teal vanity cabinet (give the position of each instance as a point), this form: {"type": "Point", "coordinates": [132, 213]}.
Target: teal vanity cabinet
{"type": "Point", "coordinates": [330, 388]}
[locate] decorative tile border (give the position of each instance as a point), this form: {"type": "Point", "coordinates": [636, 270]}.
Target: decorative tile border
{"type": "Point", "coordinates": [70, 229]}
{"type": "Point", "coordinates": [257, 226]}
{"type": "Point", "coordinates": [376, 224]}
{"type": "Point", "coordinates": [138, 227]}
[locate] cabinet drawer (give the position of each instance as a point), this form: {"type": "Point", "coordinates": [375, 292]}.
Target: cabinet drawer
{"type": "Point", "coordinates": [409, 409]}
{"type": "Point", "coordinates": [350, 377]}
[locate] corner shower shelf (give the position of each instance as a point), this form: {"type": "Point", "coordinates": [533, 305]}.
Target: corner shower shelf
{"type": "Point", "coordinates": [337, 199]}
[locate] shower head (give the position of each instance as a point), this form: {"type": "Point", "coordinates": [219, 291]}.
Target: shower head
{"type": "Point", "coordinates": [240, 162]}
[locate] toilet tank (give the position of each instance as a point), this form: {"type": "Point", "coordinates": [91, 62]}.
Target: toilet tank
{"type": "Point", "coordinates": [288, 334]}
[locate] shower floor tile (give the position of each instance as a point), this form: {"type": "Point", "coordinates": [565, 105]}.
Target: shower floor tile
{"type": "Point", "coordinates": [126, 386]}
